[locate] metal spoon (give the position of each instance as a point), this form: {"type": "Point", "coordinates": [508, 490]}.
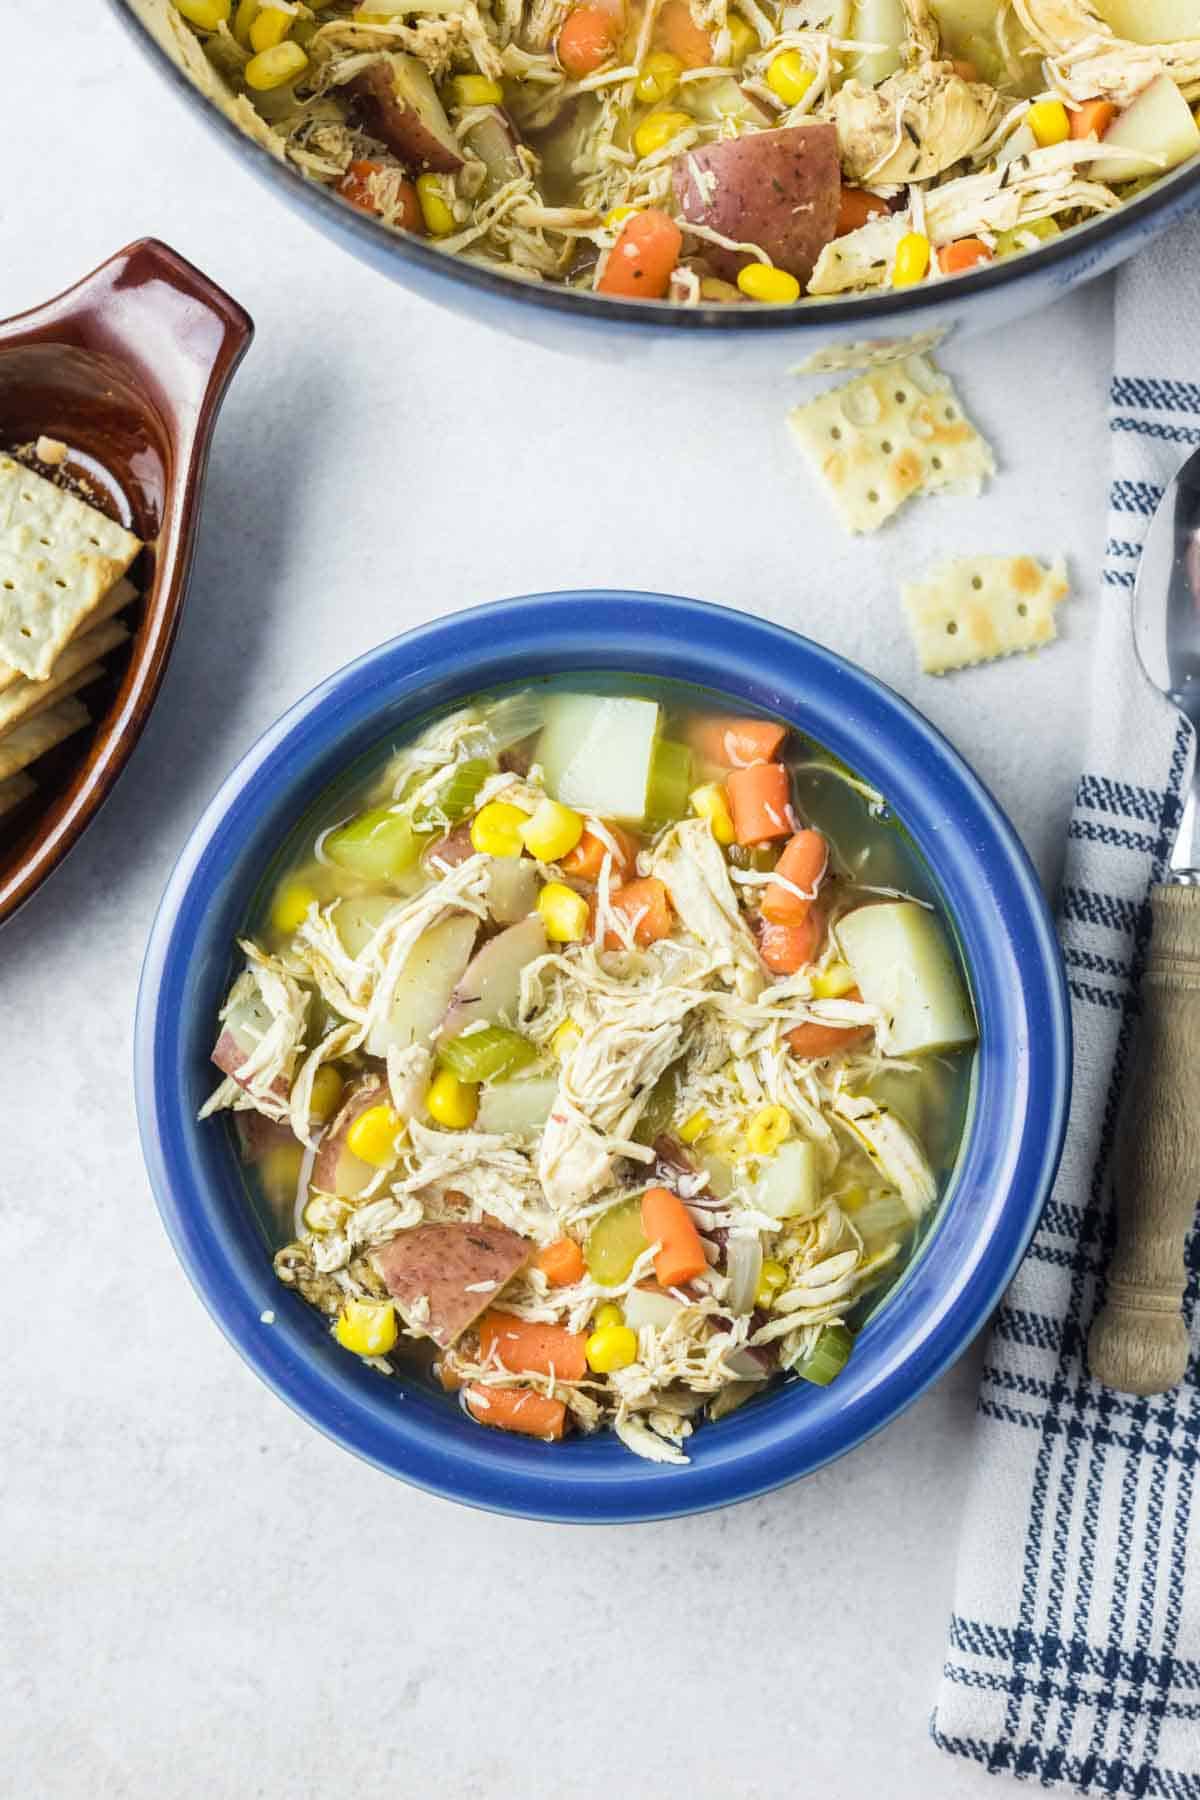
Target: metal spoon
{"type": "Point", "coordinates": [1139, 1342]}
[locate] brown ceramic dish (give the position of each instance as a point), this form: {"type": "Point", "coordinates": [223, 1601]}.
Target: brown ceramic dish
{"type": "Point", "coordinates": [128, 369]}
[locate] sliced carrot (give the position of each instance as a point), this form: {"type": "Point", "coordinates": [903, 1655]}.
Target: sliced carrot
{"type": "Point", "coordinates": [561, 1262]}
{"type": "Point", "coordinates": [676, 29]}
{"type": "Point", "coordinates": [802, 862]}
{"type": "Point", "coordinates": [759, 799]}
{"type": "Point", "coordinates": [529, 1349]}
{"type": "Point", "coordinates": [667, 1223]}
{"type": "Point", "coordinates": [640, 263]}
{"type": "Point", "coordinates": [410, 216]}
{"type": "Point", "coordinates": [786, 948]}
{"type": "Point", "coordinates": [648, 909]}
{"type": "Point", "coordinates": [856, 208]}
{"type": "Point", "coordinates": [962, 254]}
{"type": "Point", "coordinates": [586, 41]}
{"type": "Point", "coordinates": [965, 69]}
{"type": "Point", "coordinates": [517, 1409]}
{"type": "Point", "coordinates": [1092, 119]}
{"type": "Point", "coordinates": [587, 858]}
{"type": "Point", "coordinates": [735, 743]}
{"type": "Point", "coordinates": [355, 186]}
{"type": "Point", "coordinates": [449, 1376]}
{"type": "Point", "coordinates": [813, 1039]}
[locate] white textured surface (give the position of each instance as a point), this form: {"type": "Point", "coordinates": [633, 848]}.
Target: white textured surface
{"type": "Point", "coordinates": [200, 1595]}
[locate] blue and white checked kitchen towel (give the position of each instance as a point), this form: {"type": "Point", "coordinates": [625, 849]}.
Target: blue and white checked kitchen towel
{"type": "Point", "coordinates": [1074, 1653]}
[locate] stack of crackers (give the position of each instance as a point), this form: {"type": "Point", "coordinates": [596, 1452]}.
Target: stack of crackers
{"type": "Point", "coordinates": [63, 565]}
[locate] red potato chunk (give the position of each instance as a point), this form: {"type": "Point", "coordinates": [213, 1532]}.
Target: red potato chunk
{"type": "Point", "coordinates": [398, 104]}
{"type": "Point", "coordinates": [778, 189]}
{"type": "Point", "coordinates": [245, 1025]}
{"type": "Point", "coordinates": [440, 1263]}
{"type": "Point", "coordinates": [336, 1169]}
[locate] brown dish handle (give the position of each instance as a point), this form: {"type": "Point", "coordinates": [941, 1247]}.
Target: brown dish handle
{"type": "Point", "coordinates": [1139, 1343]}
{"type": "Point", "coordinates": [179, 334]}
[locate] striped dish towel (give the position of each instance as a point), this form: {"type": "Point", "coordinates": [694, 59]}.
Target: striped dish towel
{"type": "Point", "coordinates": [1074, 1654]}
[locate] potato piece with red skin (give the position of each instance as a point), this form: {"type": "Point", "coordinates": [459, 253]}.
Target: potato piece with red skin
{"type": "Point", "coordinates": [336, 1169]}
{"type": "Point", "coordinates": [441, 1263]}
{"type": "Point", "coordinates": [778, 189]}
{"type": "Point", "coordinates": [398, 104]}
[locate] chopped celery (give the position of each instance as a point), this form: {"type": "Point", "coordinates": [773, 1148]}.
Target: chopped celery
{"type": "Point", "coordinates": [1008, 243]}
{"type": "Point", "coordinates": [615, 1242]}
{"type": "Point", "coordinates": [455, 798]}
{"type": "Point", "coordinates": [670, 782]}
{"type": "Point", "coordinates": [375, 845]}
{"type": "Point", "coordinates": [484, 1055]}
{"type": "Point", "coordinates": [760, 857]}
{"type": "Point", "coordinates": [659, 1109]}
{"type": "Point", "coordinates": [828, 1358]}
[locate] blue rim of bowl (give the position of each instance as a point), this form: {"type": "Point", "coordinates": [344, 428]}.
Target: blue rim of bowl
{"type": "Point", "coordinates": [1177, 190]}
{"type": "Point", "coordinates": [1005, 1167]}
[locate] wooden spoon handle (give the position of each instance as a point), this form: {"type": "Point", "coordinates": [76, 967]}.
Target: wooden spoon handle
{"type": "Point", "coordinates": [1139, 1343]}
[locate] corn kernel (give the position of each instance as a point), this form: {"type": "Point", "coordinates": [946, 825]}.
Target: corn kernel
{"type": "Point", "coordinates": [612, 1347]}
{"type": "Point", "coordinates": [912, 260]}
{"type": "Point", "coordinates": [695, 1127]}
{"type": "Point", "coordinates": [552, 831]}
{"type": "Point", "coordinates": [474, 90]}
{"type": "Point", "coordinates": [655, 132]}
{"type": "Point", "coordinates": [452, 1102]}
{"type": "Point", "coordinates": [709, 802]}
{"type": "Point", "coordinates": [275, 68]}
{"type": "Point", "coordinates": [289, 908]}
{"type": "Point", "coordinates": [243, 19]}
{"type": "Point", "coordinates": [496, 828]}
{"type": "Point", "coordinates": [270, 27]}
{"type": "Point", "coordinates": [327, 1090]}
{"type": "Point", "coordinates": [207, 14]}
{"type": "Point", "coordinates": [790, 77]}
{"type": "Point", "coordinates": [832, 982]}
{"type": "Point", "coordinates": [742, 38]}
{"type": "Point", "coordinates": [772, 1278]}
{"type": "Point", "coordinates": [617, 216]}
{"type": "Point", "coordinates": [1049, 122]}
{"type": "Point", "coordinates": [368, 1327]}
{"type": "Point", "coordinates": [565, 1039]}
{"type": "Point", "coordinates": [563, 912]}
{"type": "Point", "coordinates": [659, 77]}
{"type": "Point", "coordinates": [774, 286]}
{"type": "Point", "coordinates": [767, 1130]}
{"type": "Point", "coordinates": [374, 1135]}
{"type": "Point", "coordinates": [608, 1314]}
{"type": "Point", "coordinates": [439, 220]}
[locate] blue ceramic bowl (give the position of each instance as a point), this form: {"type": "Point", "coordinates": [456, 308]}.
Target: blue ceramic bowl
{"type": "Point", "coordinates": [1004, 1171]}
{"type": "Point", "coordinates": [745, 340]}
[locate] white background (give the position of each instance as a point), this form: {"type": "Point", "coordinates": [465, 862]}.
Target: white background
{"type": "Point", "coordinates": [201, 1596]}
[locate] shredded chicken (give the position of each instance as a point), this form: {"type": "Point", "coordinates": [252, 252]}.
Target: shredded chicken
{"type": "Point", "coordinates": [629, 1054]}
{"type": "Point", "coordinates": [912, 126]}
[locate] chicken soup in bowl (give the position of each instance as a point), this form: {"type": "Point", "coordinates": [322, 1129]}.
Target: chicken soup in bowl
{"type": "Point", "coordinates": [598, 1054]}
{"type": "Point", "coordinates": [638, 1031]}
